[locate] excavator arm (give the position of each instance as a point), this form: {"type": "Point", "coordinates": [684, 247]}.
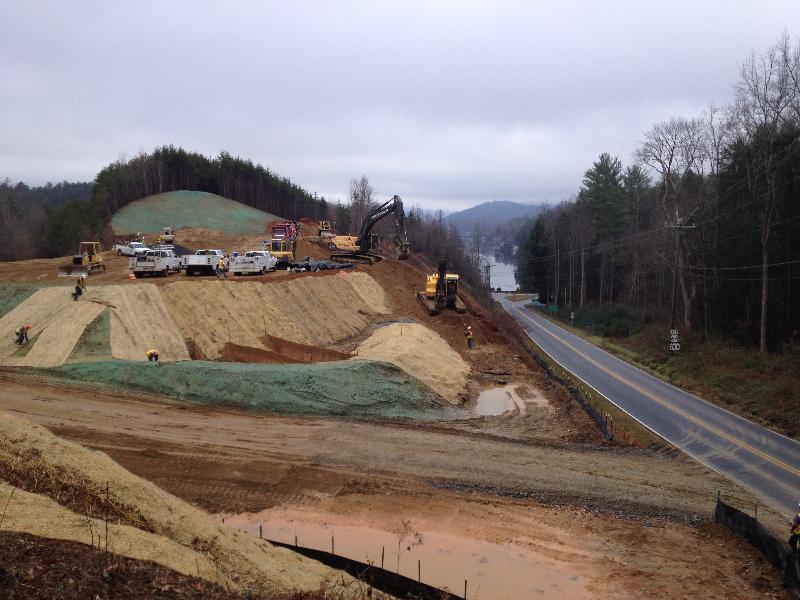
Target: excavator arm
{"type": "Point", "coordinates": [395, 205]}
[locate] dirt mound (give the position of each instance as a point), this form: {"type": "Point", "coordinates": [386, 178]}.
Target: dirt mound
{"type": "Point", "coordinates": [186, 538]}
{"type": "Point", "coordinates": [421, 353]}
{"type": "Point", "coordinates": [345, 388]}
{"type": "Point", "coordinates": [317, 311]}
{"type": "Point", "coordinates": [189, 209]}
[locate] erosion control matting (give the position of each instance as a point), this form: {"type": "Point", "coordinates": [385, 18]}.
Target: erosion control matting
{"type": "Point", "coordinates": [12, 294]}
{"type": "Point", "coordinates": [345, 388]}
{"type": "Point", "coordinates": [95, 342]}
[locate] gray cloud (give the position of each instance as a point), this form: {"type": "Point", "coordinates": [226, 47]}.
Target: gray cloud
{"type": "Point", "coordinates": [448, 104]}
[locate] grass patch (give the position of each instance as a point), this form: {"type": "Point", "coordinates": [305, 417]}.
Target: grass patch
{"type": "Point", "coordinates": [14, 294]}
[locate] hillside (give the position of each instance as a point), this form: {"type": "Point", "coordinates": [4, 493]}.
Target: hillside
{"type": "Point", "coordinates": [491, 214]}
{"type": "Point", "coordinates": [190, 209]}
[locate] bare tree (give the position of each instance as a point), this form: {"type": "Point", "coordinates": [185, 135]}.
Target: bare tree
{"type": "Point", "coordinates": [766, 99]}
{"type": "Point", "coordinates": [361, 202]}
{"type": "Point", "coordinates": [674, 149]}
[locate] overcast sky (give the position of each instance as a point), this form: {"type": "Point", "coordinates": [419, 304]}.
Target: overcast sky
{"type": "Point", "coordinates": [446, 103]}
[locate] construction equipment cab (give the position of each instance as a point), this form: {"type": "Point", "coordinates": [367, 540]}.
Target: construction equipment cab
{"type": "Point", "coordinates": [360, 249]}
{"type": "Point", "coordinates": [441, 291]}
{"type": "Point", "coordinates": [283, 244]}
{"type": "Point", "coordinates": [88, 260]}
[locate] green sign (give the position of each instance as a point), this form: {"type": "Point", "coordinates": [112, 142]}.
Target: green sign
{"type": "Point", "coordinates": [552, 309]}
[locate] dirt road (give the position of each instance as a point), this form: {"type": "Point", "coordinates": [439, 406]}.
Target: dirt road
{"type": "Point", "coordinates": [632, 511]}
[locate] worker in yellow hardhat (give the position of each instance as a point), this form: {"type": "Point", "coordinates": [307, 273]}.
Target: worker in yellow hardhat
{"type": "Point", "coordinates": [152, 355]}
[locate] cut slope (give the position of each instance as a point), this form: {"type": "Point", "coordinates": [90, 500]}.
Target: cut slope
{"type": "Point", "coordinates": [56, 319]}
{"type": "Point", "coordinates": [140, 321]}
{"type": "Point", "coordinates": [314, 310]}
{"type": "Point", "coordinates": [421, 353]}
{"type": "Point", "coordinates": [344, 388]}
{"type": "Point", "coordinates": [190, 209]}
{"type": "Point", "coordinates": [253, 563]}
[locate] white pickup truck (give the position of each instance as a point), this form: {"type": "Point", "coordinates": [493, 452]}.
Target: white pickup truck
{"type": "Point", "coordinates": [254, 261]}
{"type": "Point", "coordinates": [203, 262]}
{"type": "Point", "coordinates": [156, 262]}
{"type": "Point", "coordinates": [130, 249]}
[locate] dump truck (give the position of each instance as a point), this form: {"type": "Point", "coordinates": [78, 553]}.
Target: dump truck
{"type": "Point", "coordinates": [203, 262]}
{"type": "Point", "coordinates": [161, 261]}
{"type": "Point", "coordinates": [283, 244]}
{"type": "Point", "coordinates": [441, 291]}
{"type": "Point", "coordinates": [89, 259]}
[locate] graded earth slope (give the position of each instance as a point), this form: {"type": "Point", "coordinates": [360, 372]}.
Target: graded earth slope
{"type": "Point", "coordinates": [317, 310]}
{"type": "Point", "coordinates": [420, 352]}
{"type": "Point", "coordinates": [180, 529]}
{"type": "Point", "coordinates": [139, 321]}
{"type": "Point", "coordinates": [190, 209]}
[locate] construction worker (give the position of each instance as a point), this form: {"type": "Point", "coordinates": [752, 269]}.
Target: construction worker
{"type": "Point", "coordinates": [795, 537]}
{"type": "Point", "coordinates": [468, 335]}
{"type": "Point", "coordinates": [221, 268]}
{"type": "Point", "coordinates": [79, 287]}
{"type": "Point", "coordinates": [152, 355]}
{"type": "Point", "coordinates": [22, 334]}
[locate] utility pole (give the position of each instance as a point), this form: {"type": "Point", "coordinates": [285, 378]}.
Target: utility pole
{"type": "Point", "coordinates": [680, 225]}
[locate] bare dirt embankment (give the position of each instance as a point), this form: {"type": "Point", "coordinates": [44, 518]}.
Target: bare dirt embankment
{"type": "Point", "coordinates": [422, 353]}
{"type": "Point", "coordinates": [314, 310]}
{"type": "Point", "coordinates": [628, 513]}
{"type": "Point", "coordinates": [59, 487]}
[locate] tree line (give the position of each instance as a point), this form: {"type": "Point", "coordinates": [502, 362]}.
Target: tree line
{"type": "Point", "coordinates": [702, 229]}
{"type": "Point", "coordinates": [50, 220]}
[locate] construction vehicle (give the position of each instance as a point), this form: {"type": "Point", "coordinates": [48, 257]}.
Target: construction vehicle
{"type": "Point", "coordinates": [324, 230]}
{"type": "Point", "coordinates": [167, 235]}
{"type": "Point", "coordinates": [441, 291]}
{"type": "Point", "coordinates": [158, 261]}
{"type": "Point", "coordinates": [363, 248]}
{"type": "Point", "coordinates": [283, 244]}
{"type": "Point", "coordinates": [253, 261]}
{"type": "Point", "coordinates": [89, 259]}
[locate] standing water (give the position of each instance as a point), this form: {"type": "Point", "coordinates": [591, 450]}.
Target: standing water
{"type": "Point", "coordinates": [500, 274]}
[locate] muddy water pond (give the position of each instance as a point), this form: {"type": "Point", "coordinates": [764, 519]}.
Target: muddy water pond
{"type": "Point", "coordinates": [493, 571]}
{"type": "Point", "coordinates": [513, 397]}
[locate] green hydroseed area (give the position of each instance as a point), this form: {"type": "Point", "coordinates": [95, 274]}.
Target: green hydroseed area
{"type": "Point", "coordinates": [345, 388]}
{"type": "Point", "coordinates": [14, 294]}
{"type": "Point", "coordinates": [95, 342]}
{"type": "Point", "coordinates": [190, 209]}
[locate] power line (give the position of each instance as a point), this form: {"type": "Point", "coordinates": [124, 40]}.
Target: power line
{"type": "Point", "coordinates": [780, 264]}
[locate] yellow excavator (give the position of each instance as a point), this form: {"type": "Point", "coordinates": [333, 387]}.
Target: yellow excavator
{"type": "Point", "coordinates": [361, 248]}
{"type": "Point", "coordinates": [88, 260]}
{"type": "Point", "coordinates": [441, 291]}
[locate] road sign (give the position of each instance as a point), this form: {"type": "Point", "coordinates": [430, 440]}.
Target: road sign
{"type": "Point", "coordinates": [572, 317]}
{"type": "Point", "coordinates": [552, 309]}
{"type": "Point", "coordinates": [674, 340]}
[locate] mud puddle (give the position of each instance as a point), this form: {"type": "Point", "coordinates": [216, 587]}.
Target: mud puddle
{"type": "Point", "coordinates": [493, 571]}
{"type": "Point", "coordinates": [508, 398]}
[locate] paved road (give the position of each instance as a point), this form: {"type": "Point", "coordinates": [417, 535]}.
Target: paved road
{"type": "Point", "coordinates": [761, 460]}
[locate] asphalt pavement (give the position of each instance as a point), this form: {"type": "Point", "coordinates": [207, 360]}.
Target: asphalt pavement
{"type": "Point", "coordinates": [761, 460]}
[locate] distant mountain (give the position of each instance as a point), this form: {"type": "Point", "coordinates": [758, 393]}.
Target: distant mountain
{"type": "Point", "coordinates": [491, 214]}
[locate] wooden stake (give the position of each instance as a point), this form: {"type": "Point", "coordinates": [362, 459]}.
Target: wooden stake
{"type": "Point", "coordinates": [465, 589]}
{"type": "Point", "coordinates": [419, 571]}
{"type": "Point", "coordinates": [106, 517]}
{"type": "Point", "coordinates": [382, 550]}
{"type": "Point", "coordinates": [260, 533]}
{"type": "Point", "coordinates": [332, 546]}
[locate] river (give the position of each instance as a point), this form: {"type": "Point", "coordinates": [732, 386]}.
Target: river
{"type": "Point", "coordinates": [501, 274]}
